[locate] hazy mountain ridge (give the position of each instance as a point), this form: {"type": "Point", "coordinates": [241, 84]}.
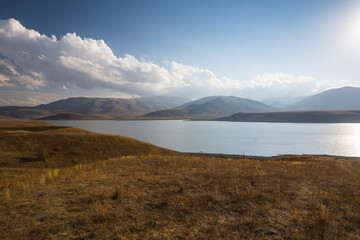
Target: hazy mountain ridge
{"type": "Point", "coordinates": [213, 106]}
{"type": "Point", "coordinates": [339, 99]}
{"type": "Point", "coordinates": [280, 102]}
{"type": "Point", "coordinates": [198, 101]}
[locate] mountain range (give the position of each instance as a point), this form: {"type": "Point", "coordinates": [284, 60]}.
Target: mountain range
{"type": "Point", "coordinates": [338, 99]}
{"type": "Point", "coordinates": [333, 102]}
{"type": "Point", "coordinates": [93, 108]}
{"type": "Point", "coordinates": [212, 107]}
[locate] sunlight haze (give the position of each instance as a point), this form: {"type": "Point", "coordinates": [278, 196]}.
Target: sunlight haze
{"type": "Point", "coordinates": [253, 49]}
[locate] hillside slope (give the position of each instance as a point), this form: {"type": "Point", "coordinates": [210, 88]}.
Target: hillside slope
{"type": "Point", "coordinates": [280, 102]}
{"type": "Point", "coordinates": [145, 193]}
{"type": "Point", "coordinates": [77, 116]}
{"type": "Point", "coordinates": [105, 107]}
{"type": "Point", "coordinates": [22, 142]}
{"type": "Point", "coordinates": [213, 107]}
{"type": "Point", "coordinates": [340, 99]}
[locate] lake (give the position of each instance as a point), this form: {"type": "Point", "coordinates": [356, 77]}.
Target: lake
{"type": "Point", "coordinates": [264, 139]}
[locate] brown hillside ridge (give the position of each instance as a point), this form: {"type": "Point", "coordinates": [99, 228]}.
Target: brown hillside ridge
{"type": "Point", "coordinates": [92, 108]}
{"type": "Point", "coordinates": [71, 189]}
{"type": "Point", "coordinates": [22, 142]}
{"type": "Point", "coordinates": [78, 116]}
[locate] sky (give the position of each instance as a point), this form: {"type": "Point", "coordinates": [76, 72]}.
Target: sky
{"type": "Point", "coordinates": [255, 49]}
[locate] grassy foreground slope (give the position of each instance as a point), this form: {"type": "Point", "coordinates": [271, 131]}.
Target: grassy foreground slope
{"type": "Point", "coordinates": [36, 143]}
{"type": "Point", "coordinates": [159, 196]}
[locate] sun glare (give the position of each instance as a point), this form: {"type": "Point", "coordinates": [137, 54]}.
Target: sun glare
{"type": "Point", "coordinates": [357, 141]}
{"type": "Point", "coordinates": [351, 29]}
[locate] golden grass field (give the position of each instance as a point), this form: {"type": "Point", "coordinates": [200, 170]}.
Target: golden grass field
{"type": "Point", "coordinates": [66, 183]}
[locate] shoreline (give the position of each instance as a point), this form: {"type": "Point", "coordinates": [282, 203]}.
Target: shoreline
{"type": "Point", "coordinates": [212, 119]}
{"type": "Point", "coordinates": [267, 158]}
{"type": "Point", "coordinates": [218, 155]}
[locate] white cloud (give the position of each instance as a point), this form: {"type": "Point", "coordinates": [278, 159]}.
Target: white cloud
{"type": "Point", "coordinates": [20, 102]}
{"type": "Point", "coordinates": [9, 75]}
{"type": "Point", "coordinates": [283, 85]}
{"type": "Point", "coordinates": [26, 98]}
{"type": "Point", "coordinates": [5, 80]}
{"type": "Point", "coordinates": [35, 60]}
{"type": "Point", "coordinates": [42, 57]}
{"type": "Point", "coordinates": [269, 80]}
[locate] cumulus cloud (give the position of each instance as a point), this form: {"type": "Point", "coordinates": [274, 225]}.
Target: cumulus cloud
{"type": "Point", "coordinates": [26, 98]}
{"type": "Point", "coordinates": [10, 74]}
{"type": "Point", "coordinates": [34, 60]}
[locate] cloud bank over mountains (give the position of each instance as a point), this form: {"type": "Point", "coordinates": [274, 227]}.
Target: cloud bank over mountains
{"type": "Point", "coordinates": [33, 60]}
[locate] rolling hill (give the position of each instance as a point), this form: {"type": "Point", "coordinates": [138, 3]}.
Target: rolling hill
{"type": "Point", "coordinates": [339, 99]}
{"type": "Point", "coordinates": [63, 146]}
{"type": "Point", "coordinates": [89, 108]}
{"type": "Point", "coordinates": [215, 106]}
{"type": "Point", "coordinates": [76, 116]}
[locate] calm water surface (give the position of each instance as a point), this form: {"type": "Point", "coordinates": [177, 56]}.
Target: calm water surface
{"type": "Point", "coordinates": [265, 139]}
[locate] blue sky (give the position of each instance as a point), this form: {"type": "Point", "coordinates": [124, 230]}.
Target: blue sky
{"type": "Point", "coordinates": [256, 49]}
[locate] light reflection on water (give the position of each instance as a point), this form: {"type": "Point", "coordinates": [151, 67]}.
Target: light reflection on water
{"type": "Point", "coordinates": [351, 138]}
{"type": "Point", "coordinates": [266, 139]}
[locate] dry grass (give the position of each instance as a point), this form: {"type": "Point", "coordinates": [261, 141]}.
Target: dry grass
{"type": "Point", "coordinates": [40, 144]}
{"type": "Point", "coordinates": [157, 196]}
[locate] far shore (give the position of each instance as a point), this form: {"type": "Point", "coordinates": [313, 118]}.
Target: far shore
{"type": "Point", "coordinates": [266, 158]}
{"type": "Point", "coordinates": [274, 117]}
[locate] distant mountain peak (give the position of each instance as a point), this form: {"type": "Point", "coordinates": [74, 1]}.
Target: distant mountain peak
{"type": "Point", "coordinates": [213, 106]}
{"type": "Point", "coordinates": [337, 99]}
